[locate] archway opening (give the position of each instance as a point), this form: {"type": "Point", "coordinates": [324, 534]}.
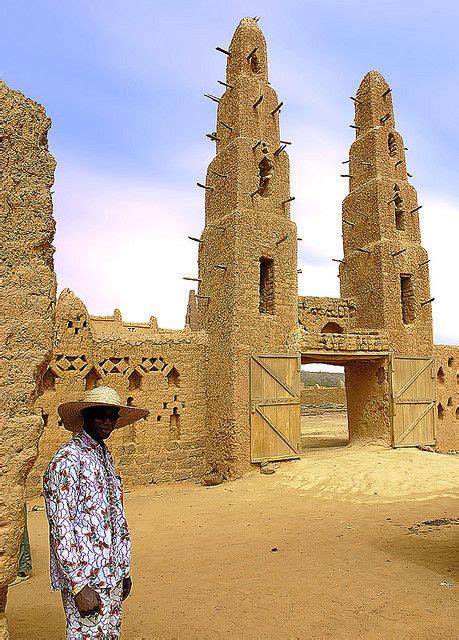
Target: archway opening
{"type": "Point", "coordinates": [324, 420]}
{"type": "Point", "coordinates": [332, 327]}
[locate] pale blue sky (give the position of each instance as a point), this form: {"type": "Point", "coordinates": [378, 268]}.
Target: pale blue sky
{"type": "Point", "coordinates": [123, 82]}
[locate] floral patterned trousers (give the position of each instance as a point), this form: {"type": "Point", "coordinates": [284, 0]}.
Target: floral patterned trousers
{"type": "Point", "coordinates": [105, 626]}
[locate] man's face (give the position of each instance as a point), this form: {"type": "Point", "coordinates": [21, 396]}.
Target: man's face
{"type": "Point", "coordinates": [99, 422]}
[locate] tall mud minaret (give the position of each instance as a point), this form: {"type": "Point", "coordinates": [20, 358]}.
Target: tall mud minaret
{"type": "Point", "coordinates": [385, 267]}
{"type": "Point", "coordinates": [247, 298]}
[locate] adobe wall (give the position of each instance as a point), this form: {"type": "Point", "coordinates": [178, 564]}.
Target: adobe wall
{"type": "Point", "coordinates": [321, 395]}
{"type": "Point", "coordinates": [447, 394]}
{"type": "Point", "coordinates": [28, 300]}
{"type": "Point", "coordinates": [164, 371]}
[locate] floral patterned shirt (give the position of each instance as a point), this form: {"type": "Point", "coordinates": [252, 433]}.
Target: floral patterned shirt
{"type": "Point", "coordinates": [89, 536]}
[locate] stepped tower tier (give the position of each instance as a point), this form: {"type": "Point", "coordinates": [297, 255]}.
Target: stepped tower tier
{"type": "Point", "coordinates": [385, 267]}
{"type": "Point", "coordinates": [247, 297]}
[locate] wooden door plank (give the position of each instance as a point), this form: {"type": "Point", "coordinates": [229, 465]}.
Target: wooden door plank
{"type": "Point", "coordinates": [274, 428]}
{"type": "Point", "coordinates": [413, 378]}
{"type": "Point", "coordinates": [409, 424]}
{"type": "Point", "coordinates": [275, 415]}
{"type": "Point", "coordinates": [410, 428]}
{"type": "Point", "coordinates": [271, 373]}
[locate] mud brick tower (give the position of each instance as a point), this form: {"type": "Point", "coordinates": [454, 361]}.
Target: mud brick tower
{"type": "Point", "coordinates": [385, 268]}
{"type": "Point", "coordinates": [248, 251]}
{"type": "Point", "coordinates": [385, 271]}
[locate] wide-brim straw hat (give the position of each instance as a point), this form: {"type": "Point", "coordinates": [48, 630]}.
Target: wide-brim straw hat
{"type": "Point", "coordinates": [70, 412]}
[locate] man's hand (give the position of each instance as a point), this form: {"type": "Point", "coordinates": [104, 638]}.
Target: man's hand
{"type": "Point", "coordinates": [88, 602]}
{"type": "Point", "coordinates": [127, 586]}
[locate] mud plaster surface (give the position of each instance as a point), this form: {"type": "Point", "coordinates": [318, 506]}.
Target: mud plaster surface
{"type": "Point", "coordinates": [346, 564]}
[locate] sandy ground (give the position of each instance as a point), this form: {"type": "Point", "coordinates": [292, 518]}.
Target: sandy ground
{"type": "Point", "coordinates": [325, 429]}
{"type": "Point", "coordinates": [330, 546]}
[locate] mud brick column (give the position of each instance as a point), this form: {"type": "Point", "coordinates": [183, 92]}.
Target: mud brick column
{"type": "Point", "coordinates": [28, 301]}
{"type": "Point", "coordinates": [247, 299]}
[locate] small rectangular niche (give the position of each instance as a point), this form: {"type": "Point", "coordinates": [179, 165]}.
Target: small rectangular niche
{"type": "Point", "coordinates": [266, 285]}
{"type": "Point", "coordinates": [408, 299]}
{"type": "Point", "coordinates": [400, 219]}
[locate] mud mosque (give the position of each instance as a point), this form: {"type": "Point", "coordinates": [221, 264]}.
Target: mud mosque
{"type": "Point", "coordinates": [224, 392]}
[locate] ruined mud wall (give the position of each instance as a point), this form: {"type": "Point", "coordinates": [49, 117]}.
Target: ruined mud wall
{"type": "Point", "coordinates": [313, 395]}
{"type": "Point", "coordinates": [163, 371]}
{"type": "Point", "coordinates": [28, 300]}
{"type": "Point", "coordinates": [447, 394]}
{"type": "Point", "coordinates": [329, 315]}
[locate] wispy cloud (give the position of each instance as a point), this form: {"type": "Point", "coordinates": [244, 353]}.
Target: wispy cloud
{"type": "Point", "coordinates": [123, 243]}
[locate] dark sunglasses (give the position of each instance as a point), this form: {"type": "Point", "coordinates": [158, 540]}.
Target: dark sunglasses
{"type": "Point", "coordinates": [103, 413]}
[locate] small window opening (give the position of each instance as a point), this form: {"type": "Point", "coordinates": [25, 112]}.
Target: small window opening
{"type": "Point", "coordinates": [266, 285]}
{"type": "Point", "coordinates": [255, 65]}
{"type": "Point", "coordinates": [457, 413]}
{"type": "Point", "coordinates": [91, 380]}
{"type": "Point", "coordinates": [49, 380]}
{"type": "Point", "coordinates": [173, 378]}
{"type": "Point", "coordinates": [440, 411]}
{"type": "Point", "coordinates": [399, 210]}
{"type": "Point", "coordinates": [392, 144]}
{"type": "Point", "coordinates": [45, 417]}
{"type": "Point", "coordinates": [332, 327]}
{"type": "Point", "coordinates": [265, 171]}
{"type": "Point", "coordinates": [400, 219]}
{"type": "Point", "coordinates": [130, 401]}
{"type": "Point", "coordinates": [174, 424]}
{"type": "Point", "coordinates": [408, 299]}
{"type": "Point", "coordinates": [450, 361]}
{"type": "Point", "coordinates": [450, 402]}
{"type": "Point", "coordinates": [441, 376]}
{"type": "Point", "coordinates": [135, 380]}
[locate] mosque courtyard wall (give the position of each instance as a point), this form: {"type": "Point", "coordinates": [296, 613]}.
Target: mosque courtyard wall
{"type": "Point", "coordinates": [164, 371]}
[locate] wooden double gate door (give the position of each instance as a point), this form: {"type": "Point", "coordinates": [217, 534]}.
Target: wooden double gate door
{"type": "Point", "coordinates": [413, 401]}
{"type": "Point", "coordinates": [275, 422]}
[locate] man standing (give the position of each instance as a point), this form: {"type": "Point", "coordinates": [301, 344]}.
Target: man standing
{"type": "Point", "coordinates": [89, 536]}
